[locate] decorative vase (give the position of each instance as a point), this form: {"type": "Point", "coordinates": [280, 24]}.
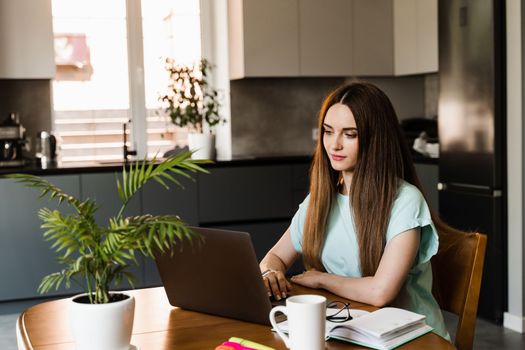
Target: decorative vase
{"type": "Point", "coordinates": [102, 326]}
{"type": "Point", "coordinates": [202, 144]}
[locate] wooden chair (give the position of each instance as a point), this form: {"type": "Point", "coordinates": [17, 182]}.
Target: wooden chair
{"type": "Point", "coordinates": [457, 270]}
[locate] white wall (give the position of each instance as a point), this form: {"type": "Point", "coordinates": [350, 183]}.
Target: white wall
{"type": "Point", "coordinates": [514, 318]}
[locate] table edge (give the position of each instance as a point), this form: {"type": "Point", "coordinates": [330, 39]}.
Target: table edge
{"type": "Point", "coordinates": [21, 334]}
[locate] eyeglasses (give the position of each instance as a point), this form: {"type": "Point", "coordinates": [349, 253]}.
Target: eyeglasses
{"type": "Point", "coordinates": [342, 314]}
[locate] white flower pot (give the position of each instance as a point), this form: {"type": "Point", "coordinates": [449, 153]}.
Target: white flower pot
{"type": "Point", "coordinates": [202, 144]}
{"type": "Point", "coordinates": [102, 326]}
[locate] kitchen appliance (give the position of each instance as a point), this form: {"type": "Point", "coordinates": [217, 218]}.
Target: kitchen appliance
{"type": "Point", "coordinates": [471, 125]}
{"type": "Point", "coordinates": [420, 128]}
{"type": "Point", "coordinates": [12, 141]}
{"type": "Point", "coordinates": [45, 148]}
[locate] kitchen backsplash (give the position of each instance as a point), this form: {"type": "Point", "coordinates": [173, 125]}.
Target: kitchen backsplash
{"type": "Point", "coordinates": [431, 95]}
{"type": "Point", "coordinates": [31, 99]}
{"type": "Point", "coordinates": [277, 115]}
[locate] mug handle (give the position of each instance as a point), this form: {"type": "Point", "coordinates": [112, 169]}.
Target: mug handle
{"type": "Point", "coordinates": [283, 336]}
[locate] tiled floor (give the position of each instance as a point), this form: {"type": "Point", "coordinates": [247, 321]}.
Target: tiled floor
{"type": "Point", "coordinates": [9, 312]}
{"type": "Point", "coordinates": [488, 335]}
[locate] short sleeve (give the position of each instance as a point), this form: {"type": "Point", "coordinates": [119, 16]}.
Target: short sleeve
{"type": "Point", "coordinates": [409, 211]}
{"type": "Point", "coordinates": [297, 225]}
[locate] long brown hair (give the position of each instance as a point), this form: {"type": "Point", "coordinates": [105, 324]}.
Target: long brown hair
{"type": "Point", "coordinates": [383, 159]}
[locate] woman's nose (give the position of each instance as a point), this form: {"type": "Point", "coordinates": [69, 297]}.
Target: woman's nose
{"type": "Point", "coordinates": [336, 144]}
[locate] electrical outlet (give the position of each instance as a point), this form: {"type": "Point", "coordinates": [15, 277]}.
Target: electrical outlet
{"type": "Point", "coordinates": [315, 134]}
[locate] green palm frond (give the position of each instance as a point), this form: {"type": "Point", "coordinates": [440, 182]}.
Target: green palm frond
{"type": "Point", "coordinates": [46, 188]}
{"type": "Point", "coordinates": [142, 172]}
{"type": "Point", "coordinates": [100, 256]}
{"type": "Point", "coordinates": [147, 233]}
{"type": "Point", "coordinates": [67, 232]}
{"type": "Point", "coordinates": [56, 279]}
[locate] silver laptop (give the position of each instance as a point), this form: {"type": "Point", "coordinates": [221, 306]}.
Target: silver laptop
{"type": "Point", "coordinates": [221, 276]}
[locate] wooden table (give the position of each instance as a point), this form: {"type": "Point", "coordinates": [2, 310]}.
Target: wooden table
{"type": "Point", "coordinates": [159, 326]}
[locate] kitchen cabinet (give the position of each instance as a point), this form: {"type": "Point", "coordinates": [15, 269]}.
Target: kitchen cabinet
{"type": "Point", "coordinates": [248, 193]}
{"type": "Point", "coordinates": [300, 184]}
{"type": "Point", "coordinates": [263, 38]}
{"type": "Point", "coordinates": [26, 42]}
{"type": "Point", "coordinates": [261, 200]}
{"type": "Point", "coordinates": [289, 38]}
{"type": "Point", "coordinates": [102, 188]}
{"type": "Point", "coordinates": [416, 36]}
{"type": "Point", "coordinates": [25, 257]}
{"type": "Point", "coordinates": [332, 38]}
{"type": "Point", "coordinates": [156, 200]}
{"type": "Point", "coordinates": [395, 37]}
{"type": "Point", "coordinates": [256, 196]}
{"type": "Point", "coordinates": [22, 247]}
{"type": "Point", "coordinates": [325, 37]}
{"type": "Point", "coordinates": [153, 199]}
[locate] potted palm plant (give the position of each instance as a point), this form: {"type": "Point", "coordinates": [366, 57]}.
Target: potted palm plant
{"type": "Point", "coordinates": [99, 257]}
{"type": "Point", "coordinates": [191, 102]}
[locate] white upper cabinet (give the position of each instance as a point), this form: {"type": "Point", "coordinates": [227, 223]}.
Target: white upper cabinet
{"type": "Point", "coordinates": [291, 38]}
{"type": "Point", "coordinates": [263, 38]}
{"type": "Point", "coordinates": [415, 36]}
{"type": "Point", "coordinates": [325, 37]}
{"type": "Point", "coordinates": [26, 40]}
{"type": "Point", "coordinates": [395, 37]}
{"type": "Point", "coordinates": [372, 42]}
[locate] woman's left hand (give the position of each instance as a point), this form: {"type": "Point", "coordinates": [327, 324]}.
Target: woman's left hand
{"type": "Point", "coordinates": [310, 278]}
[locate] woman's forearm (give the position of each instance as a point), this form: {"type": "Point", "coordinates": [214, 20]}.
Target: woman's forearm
{"type": "Point", "coordinates": [365, 290]}
{"type": "Point", "coordinates": [272, 262]}
{"type": "Point", "coordinates": [380, 289]}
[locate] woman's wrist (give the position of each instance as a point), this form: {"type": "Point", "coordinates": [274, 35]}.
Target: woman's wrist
{"type": "Point", "coordinates": [267, 271]}
{"type": "Point", "coordinates": [323, 280]}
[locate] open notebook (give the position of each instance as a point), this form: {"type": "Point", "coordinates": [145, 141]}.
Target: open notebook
{"type": "Point", "coordinates": [385, 328]}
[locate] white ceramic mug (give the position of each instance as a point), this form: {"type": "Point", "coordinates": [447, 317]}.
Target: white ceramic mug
{"type": "Point", "coordinates": [306, 322]}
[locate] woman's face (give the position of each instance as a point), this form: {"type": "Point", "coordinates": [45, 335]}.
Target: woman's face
{"type": "Point", "coordinates": [340, 137]}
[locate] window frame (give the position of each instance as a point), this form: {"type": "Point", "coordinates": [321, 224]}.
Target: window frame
{"type": "Point", "coordinates": [137, 89]}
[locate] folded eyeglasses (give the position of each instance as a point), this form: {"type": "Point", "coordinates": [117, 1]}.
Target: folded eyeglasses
{"type": "Point", "coordinates": [342, 314]}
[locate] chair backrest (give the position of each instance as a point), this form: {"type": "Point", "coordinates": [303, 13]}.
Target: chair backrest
{"type": "Point", "coordinates": [457, 270]}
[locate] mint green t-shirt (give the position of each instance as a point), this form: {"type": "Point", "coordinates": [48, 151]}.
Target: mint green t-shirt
{"type": "Point", "coordinates": [340, 254]}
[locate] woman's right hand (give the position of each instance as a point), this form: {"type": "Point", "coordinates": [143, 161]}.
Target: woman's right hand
{"type": "Point", "coordinates": [276, 284]}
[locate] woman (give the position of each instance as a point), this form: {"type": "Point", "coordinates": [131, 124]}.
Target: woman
{"type": "Point", "coordinates": [365, 231]}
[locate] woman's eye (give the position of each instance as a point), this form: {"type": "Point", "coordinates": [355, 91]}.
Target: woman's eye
{"type": "Point", "coordinates": [351, 135]}
{"type": "Point", "coordinates": [327, 132]}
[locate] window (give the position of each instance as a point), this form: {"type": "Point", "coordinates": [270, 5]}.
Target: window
{"type": "Point", "coordinates": [94, 44]}
{"type": "Point", "coordinates": [170, 29]}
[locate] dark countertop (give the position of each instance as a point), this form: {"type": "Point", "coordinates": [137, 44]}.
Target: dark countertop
{"type": "Point", "coordinates": [110, 166]}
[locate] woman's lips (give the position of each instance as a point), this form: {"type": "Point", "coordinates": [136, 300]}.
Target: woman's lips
{"type": "Point", "coordinates": [337, 158]}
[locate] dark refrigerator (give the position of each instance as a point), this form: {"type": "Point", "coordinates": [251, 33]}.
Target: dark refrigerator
{"type": "Point", "coordinates": [471, 122]}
